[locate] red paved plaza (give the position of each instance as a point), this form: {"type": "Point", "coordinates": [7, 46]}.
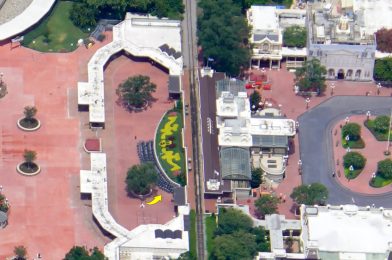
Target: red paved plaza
{"type": "Point", "coordinates": [47, 214]}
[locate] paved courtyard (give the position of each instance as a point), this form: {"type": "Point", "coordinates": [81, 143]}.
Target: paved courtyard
{"type": "Point", "coordinates": [47, 214]}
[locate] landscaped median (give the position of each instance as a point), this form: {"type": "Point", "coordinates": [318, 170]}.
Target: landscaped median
{"type": "Point", "coordinates": [379, 127]}
{"type": "Point", "coordinates": [169, 147]}
{"type": "Point", "coordinates": [383, 176]}
{"type": "Point", "coordinates": [353, 164]}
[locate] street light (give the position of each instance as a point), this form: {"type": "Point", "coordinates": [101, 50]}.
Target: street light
{"type": "Point", "coordinates": [307, 100]}
{"type": "Point", "coordinates": [368, 114]}
{"type": "Point", "coordinates": [379, 88]}
{"type": "Point", "coordinates": [347, 119]}
{"type": "Point", "coordinates": [332, 86]}
{"type": "Point", "coordinates": [280, 109]}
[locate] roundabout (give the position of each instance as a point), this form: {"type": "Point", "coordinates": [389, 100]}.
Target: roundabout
{"type": "Point", "coordinates": [317, 146]}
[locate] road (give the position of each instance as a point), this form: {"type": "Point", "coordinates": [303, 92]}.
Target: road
{"type": "Point", "coordinates": [315, 140]}
{"type": "Point", "coordinates": [190, 62]}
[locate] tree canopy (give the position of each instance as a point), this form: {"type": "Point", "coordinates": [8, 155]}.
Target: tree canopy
{"type": "Point", "coordinates": [384, 39]}
{"type": "Point", "coordinates": [353, 130]}
{"type": "Point", "coordinates": [81, 253]}
{"type": "Point", "coordinates": [381, 124]}
{"type": "Point", "coordinates": [384, 168]}
{"type": "Point", "coordinates": [311, 76]}
{"type": "Point", "coordinates": [312, 194]}
{"type": "Point", "coordinates": [223, 33]}
{"type": "Point", "coordinates": [231, 220]}
{"type": "Point", "coordinates": [254, 100]}
{"type": "Point", "coordinates": [29, 112]}
{"type": "Point", "coordinates": [383, 69]}
{"type": "Point", "coordinates": [141, 178]}
{"type": "Point", "coordinates": [20, 252]}
{"type": "Point", "coordinates": [256, 178]}
{"type": "Point", "coordinates": [29, 156]}
{"type": "Point", "coordinates": [86, 13]}
{"type": "Point", "coordinates": [266, 204]}
{"type": "Point", "coordinates": [238, 245]}
{"type": "Point", "coordinates": [354, 159]}
{"type": "Point", "coordinates": [136, 91]}
{"type": "Point", "coordinates": [294, 36]}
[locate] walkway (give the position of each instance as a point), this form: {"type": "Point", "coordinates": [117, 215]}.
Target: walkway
{"type": "Point", "coordinates": [30, 16]}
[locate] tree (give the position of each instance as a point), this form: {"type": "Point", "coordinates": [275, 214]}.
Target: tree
{"type": "Point", "coordinates": [136, 91]}
{"type": "Point", "coordinates": [29, 157]}
{"type": "Point", "coordinates": [254, 100]}
{"type": "Point", "coordinates": [256, 178]}
{"type": "Point", "coordinates": [223, 33]}
{"type": "Point", "coordinates": [239, 245]}
{"type": "Point", "coordinates": [262, 239]}
{"type": "Point", "coordinates": [30, 112]}
{"type": "Point", "coordinates": [141, 178]}
{"type": "Point", "coordinates": [312, 194]}
{"type": "Point", "coordinates": [353, 130]}
{"type": "Point", "coordinates": [384, 168]}
{"type": "Point", "coordinates": [3, 204]}
{"type": "Point", "coordinates": [354, 159]}
{"type": "Point", "coordinates": [295, 36]}
{"type": "Point", "coordinates": [81, 253]}
{"type": "Point", "coordinates": [381, 124]}
{"type": "Point", "coordinates": [20, 252]}
{"type": "Point", "coordinates": [266, 204]}
{"type": "Point", "coordinates": [83, 15]}
{"type": "Point", "coordinates": [311, 76]}
{"type": "Point", "coordinates": [384, 39]}
{"type": "Point", "coordinates": [232, 220]}
{"type": "Point", "coordinates": [383, 69]}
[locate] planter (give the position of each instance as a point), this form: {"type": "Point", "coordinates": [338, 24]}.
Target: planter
{"type": "Point", "coordinates": [28, 129]}
{"type": "Point", "coordinates": [138, 109]}
{"type": "Point", "coordinates": [142, 197]}
{"type": "Point", "coordinates": [20, 168]}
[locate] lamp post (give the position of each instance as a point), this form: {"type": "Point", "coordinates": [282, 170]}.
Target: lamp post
{"type": "Point", "coordinates": [307, 100]}
{"type": "Point", "coordinates": [347, 138]}
{"type": "Point", "coordinates": [332, 86]}
{"type": "Point", "coordinates": [347, 119]}
{"type": "Point", "coordinates": [280, 109]}
{"type": "Point", "coordinates": [379, 88]}
{"type": "Point", "coordinates": [368, 114]}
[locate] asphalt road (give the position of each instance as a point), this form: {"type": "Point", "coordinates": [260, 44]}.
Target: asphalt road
{"type": "Point", "coordinates": [315, 140]}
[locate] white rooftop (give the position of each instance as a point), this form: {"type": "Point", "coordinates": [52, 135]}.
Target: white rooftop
{"type": "Point", "coordinates": [140, 36]}
{"type": "Point", "coordinates": [348, 229]}
{"type": "Point", "coordinates": [264, 18]}
{"type": "Point", "coordinates": [377, 13]}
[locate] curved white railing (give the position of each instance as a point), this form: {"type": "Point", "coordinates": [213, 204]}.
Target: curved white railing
{"type": "Point", "coordinates": [30, 16]}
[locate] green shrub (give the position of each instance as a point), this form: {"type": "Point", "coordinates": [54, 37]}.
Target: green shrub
{"type": "Point", "coordinates": [353, 130]}
{"type": "Point", "coordinates": [355, 159]}
{"type": "Point", "coordinates": [381, 124]}
{"type": "Point", "coordinates": [384, 168]}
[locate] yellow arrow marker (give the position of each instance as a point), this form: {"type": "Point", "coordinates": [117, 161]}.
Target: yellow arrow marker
{"type": "Point", "coordinates": [155, 200]}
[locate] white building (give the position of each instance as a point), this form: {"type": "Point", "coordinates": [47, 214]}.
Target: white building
{"type": "Point", "coordinates": [268, 24]}
{"type": "Point", "coordinates": [262, 137]}
{"type": "Point", "coordinates": [346, 232]}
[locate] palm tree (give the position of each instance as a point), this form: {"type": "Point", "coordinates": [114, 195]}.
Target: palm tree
{"type": "Point", "coordinates": [30, 112]}
{"type": "Point", "coordinates": [136, 91]}
{"type": "Point", "coordinates": [20, 252]}
{"type": "Point", "coordinates": [29, 157]}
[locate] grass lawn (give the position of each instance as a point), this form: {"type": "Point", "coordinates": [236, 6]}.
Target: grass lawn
{"type": "Point", "coordinates": [379, 136]}
{"type": "Point", "coordinates": [359, 144]}
{"type": "Point", "coordinates": [171, 165]}
{"type": "Point", "coordinates": [351, 174]}
{"type": "Point", "coordinates": [210, 230]}
{"type": "Point", "coordinates": [56, 32]}
{"type": "Point", "coordinates": [192, 235]}
{"type": "Point", "coordinates": [379, 182]}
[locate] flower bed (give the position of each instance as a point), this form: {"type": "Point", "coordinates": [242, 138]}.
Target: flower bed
{"type": "Point", "coordinates": [379, 182]}
{"type": "Point", "coordinates": [168, 145]}
{"type": "Point", "coordinates": [379, 136]}
{"type": "Point", "coordinates": [358, 144]}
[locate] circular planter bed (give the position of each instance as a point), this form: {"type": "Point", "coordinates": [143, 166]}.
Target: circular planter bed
{"type": "Point", "coordinates": [29, 124]}
{"type": "Point", "coordinates": [138, 109]}
{"type": "Point", "coordinates": [28, 170]}
{"type": "Point", "coordinates": [142, 197]}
